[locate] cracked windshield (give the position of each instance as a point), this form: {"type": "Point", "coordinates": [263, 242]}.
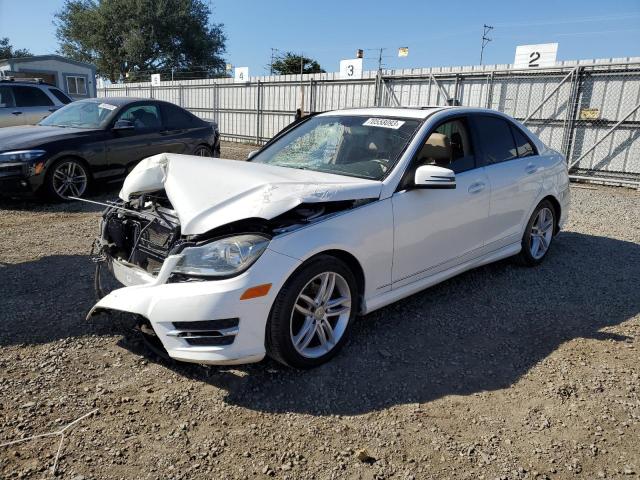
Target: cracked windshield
{"type": "Point", "coordinates": [365, 147]}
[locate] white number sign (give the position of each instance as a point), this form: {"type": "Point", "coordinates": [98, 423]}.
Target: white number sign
{"type": "Point", "coordinates": [155, 79]}
{"type": "Point", "coordinates": [351, 68]}
{"type": "Point", "coordinates": [241, 74]}
{"type": "Point", "coordinates": [532, 56]}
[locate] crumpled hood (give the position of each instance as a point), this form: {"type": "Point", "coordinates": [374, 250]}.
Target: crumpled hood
{"type": "Point", "coordinates": [209, 192]}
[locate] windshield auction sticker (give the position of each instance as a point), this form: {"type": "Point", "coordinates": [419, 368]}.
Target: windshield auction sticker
{"type": "Point", "coordinates": [384, 123]}
{"type": "Point", "coordinates": [108, 106]}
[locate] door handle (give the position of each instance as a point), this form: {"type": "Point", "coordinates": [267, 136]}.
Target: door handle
{"type": "Point", "coordinates": [531, 168]}
{"type": "Point", "coordinates": [53, 109]}
{"type": "Point", "coordinates": [16, 113]}
{"type": "Point", "coordinates": [476, 187]}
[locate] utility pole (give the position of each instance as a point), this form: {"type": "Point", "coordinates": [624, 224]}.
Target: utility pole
{"type": "Point", "coordinates": [380, 59]}
{"type": "Point", "coordinates": [273, 56]}
{"type": "Point", "coordinates": [485, 39]}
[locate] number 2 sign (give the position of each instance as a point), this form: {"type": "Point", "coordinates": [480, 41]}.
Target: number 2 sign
{"type": "Point", "coordinates": [533, 56]}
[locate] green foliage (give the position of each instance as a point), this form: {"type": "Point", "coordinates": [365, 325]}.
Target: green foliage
{"type": "Point", "coordinates": [290, 63]}
{"type": "Point", "coordinates": [7, 51]}
{"type": "Point", "coordinates": [130, 39]}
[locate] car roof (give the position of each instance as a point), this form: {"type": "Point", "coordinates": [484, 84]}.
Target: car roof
{"type": "Point", "coordinates": [22, 83]}
{"type": "Point", "coordinates": [405, 112]}
{"type": "Point", "coordinates": [117, 101]}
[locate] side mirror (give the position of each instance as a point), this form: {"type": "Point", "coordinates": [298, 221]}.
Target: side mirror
{"type": "Point", "coordinates": [252, 153]}
{"type": "Point", "coordinates": [432, 176]}
{"type": "Point", "coordinates": [123, 125]}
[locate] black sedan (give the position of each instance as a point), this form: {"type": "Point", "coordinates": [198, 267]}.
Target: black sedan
{"type": "Point", "coordinates": [97, 139]}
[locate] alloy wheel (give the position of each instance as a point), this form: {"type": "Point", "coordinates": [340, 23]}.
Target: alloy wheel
{"type": "Point", "coordinates": [541, 233]}
{"type": "Point", "coordinates": [320, 315]}
{"type": "Point", "coordinates": [69, 179]}
{"type": "Point", "coordinates": [202, 152]}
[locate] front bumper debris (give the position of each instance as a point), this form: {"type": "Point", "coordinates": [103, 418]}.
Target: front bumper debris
{"type": "Point", "coordinates": [201, 321]}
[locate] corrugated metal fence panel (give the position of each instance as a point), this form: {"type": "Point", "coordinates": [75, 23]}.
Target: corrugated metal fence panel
{"type": "Point", "coordinates": [613, 96]}
{"type": "Point", "coordinates": [554, 99]}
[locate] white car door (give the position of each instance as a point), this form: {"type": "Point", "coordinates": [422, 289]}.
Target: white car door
{"type": "Point", "coordinates": [515, 174]}
{"type": "Point", "coordinates": [438, 229]}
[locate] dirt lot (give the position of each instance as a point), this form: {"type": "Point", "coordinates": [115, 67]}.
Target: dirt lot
{"type": "Point", "coordinates": [503, 372]}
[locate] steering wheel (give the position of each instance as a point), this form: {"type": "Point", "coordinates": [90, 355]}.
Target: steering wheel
{"type": "Point", "coordinates": [383, 162]}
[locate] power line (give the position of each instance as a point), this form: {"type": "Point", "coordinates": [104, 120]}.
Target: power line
{"type": "Point", "coordinates": [485, 39]}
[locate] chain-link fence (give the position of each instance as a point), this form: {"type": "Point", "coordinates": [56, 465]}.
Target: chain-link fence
{"type": "Point", "coordinates": [588, 110]}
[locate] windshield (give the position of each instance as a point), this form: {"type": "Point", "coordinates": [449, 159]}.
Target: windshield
{"type": "Point", "coordinates": [81, 115]}
{"type": "Point", "coordinates": [365, 147]}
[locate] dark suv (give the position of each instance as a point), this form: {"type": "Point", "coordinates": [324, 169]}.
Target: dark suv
{"type": "Point", "coordinates": [26, 102]}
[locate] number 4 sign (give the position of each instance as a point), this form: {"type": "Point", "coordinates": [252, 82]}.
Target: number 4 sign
{"type": "Point", "coordinates": [532, 56]}
{"type": "Point", "coordinates": [351, 69]}
{"type": "Point", "coordinates": [241, 74]}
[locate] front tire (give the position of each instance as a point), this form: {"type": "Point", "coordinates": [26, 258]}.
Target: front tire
{"type": "Point", "coordinates": [538, 234]}
{"type": "Point", "coordinates": [66, 178]}
{"type": "Point", "coordinates": [312, 315]}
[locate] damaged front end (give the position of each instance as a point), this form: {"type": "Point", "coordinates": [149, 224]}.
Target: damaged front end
{"type": "Point", "coordinates": [140, 233]}
{"type": "Point", "coordinates": [190, 239]}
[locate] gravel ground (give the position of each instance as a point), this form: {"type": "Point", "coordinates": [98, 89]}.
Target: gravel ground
{"type": "Point", "coordinates": [503, 372]}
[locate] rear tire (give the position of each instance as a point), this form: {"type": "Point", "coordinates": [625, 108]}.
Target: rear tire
{"type": "Point", "coordinates": [203, 151]}
{"type": "Point", "coordinates": [308, 325]}
{"type": "Point", "coordinates": [538, 235]}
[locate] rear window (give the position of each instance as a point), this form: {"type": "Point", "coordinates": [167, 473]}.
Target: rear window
{"type": "Point", "coordinates": [497, 141]}
{"type": "Point", "coordinates": [60, 96]}
{"type": "Point", "coordinates": [176, 118]}
{"type": "Point", "coordinates": [31, 97]}
{"type": "Point", "coordinates": [523, 145]}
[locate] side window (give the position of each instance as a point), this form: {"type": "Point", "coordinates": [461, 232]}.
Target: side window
{"type": "Point", "coordinates": [6, 98]}
{"type": "Point", "coordinates": [497, 140]}
{"type": "Point", "coordinates": [143, 117]}
{"type": "Point", "coordinates": [176, 118]}
{"type": "Point", "coordinates": [31, 97]}
{"type": "Point", "coordinates": [76, 85]}
{"type": "Point", "coordinates": [524, 147]}
{"type": "Point", "coordinates": [449, 146]}
{"type": "Point", "coordinates": [60, 96]}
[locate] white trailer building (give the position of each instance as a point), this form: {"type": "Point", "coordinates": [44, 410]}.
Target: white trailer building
{"type": "Point", "coordinates": [76, 79]}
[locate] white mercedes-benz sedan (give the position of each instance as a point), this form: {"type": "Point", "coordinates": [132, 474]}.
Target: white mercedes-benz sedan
{"type": "Point", "coordinates": [341, 213]}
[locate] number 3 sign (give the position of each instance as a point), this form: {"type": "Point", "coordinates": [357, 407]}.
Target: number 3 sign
{"type": "Point", "coordinates": [351, 69]}
{"type": "Point", "coordinates": [532, 56]}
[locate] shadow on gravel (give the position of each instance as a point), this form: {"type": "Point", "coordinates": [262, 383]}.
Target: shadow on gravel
{"type": "Point", "coordinates": [36, 203]}
{"type": "Point", "coordinates": [480, 331]}
{"type": "Point", "coordinates": [47, 300]}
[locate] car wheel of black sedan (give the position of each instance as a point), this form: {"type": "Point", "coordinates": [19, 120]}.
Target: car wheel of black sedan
{"type": "Point", "coordinates": [66, 178]}
{"type": "Point", "coordinates": [203, 151]}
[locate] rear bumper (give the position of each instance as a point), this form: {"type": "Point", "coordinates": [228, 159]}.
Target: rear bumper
{"type": "Point", "coordinates": [172, 307]}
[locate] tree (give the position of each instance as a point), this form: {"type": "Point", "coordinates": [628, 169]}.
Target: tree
{"type": "Point", "coordinates": [290, 63]}
{"type": "Point", "coordinates": [130, 39]}
{"type": "Point", "coordinates": [7, 51]}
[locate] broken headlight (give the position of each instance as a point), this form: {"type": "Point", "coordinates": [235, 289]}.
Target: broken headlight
{"type": "Point", "coordinates": [223, 257]}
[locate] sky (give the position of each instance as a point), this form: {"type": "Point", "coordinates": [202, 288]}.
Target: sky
{"type": "Point", "coordinates": [442, 33]}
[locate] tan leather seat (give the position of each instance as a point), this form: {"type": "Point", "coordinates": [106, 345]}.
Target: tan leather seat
{"type": "Point", "coordinates": [436, 150]}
